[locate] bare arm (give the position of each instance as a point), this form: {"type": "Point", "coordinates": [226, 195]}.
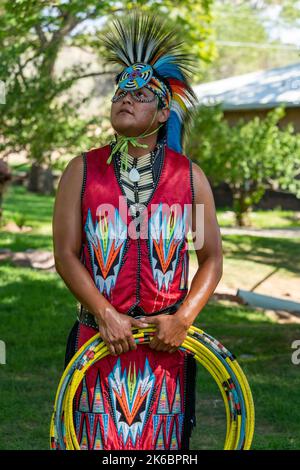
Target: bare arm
{"type": "Point", "coordinates": [209, 256]}
{"type": "Point", "coordinates": [114, 328]}
{"type": "Point", "coordinates": [66, 225]}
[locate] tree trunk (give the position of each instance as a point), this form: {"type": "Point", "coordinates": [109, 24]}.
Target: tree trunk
{"type": "Point", "coordinates": [34, 176]}
{"type": "Point", "coordinates": [241, 208]}
{"type": "Point", "coordinates": [40, 180]}
{"type": "Point", "coordinates": [47, 182]}
{"type": "Point", "coordinates": [1, 201]}
{"type": "Point", "coordinates": [5, 177]}
{"type": "Point", "coordinates": [242, 219]}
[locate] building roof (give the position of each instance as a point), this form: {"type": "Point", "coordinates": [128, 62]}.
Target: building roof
{"type": "Point", "coordinates": [256, 90]}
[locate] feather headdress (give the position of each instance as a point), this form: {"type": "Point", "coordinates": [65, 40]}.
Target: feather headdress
{"type": "Point", "coordinates": [152, 56]}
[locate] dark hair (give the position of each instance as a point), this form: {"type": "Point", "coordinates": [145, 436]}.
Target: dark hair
{"type": "Point", "coordinates": [162, 132]}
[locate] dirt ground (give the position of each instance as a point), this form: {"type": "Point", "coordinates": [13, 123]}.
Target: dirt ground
{"type": "Point", "coordinates": [278, 284]}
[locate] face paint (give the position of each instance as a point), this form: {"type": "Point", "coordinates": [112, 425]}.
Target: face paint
{"type": "Point", "coordinates": [142, 95]}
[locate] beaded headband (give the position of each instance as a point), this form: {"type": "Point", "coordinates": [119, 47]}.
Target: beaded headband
{"type": "Point", "coordinates": [141, 75]}
{"type": "Point", "coordinates": [152, 56]}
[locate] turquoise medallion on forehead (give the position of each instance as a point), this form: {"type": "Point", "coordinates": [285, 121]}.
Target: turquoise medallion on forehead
{"type": "Point", "coordinates": [136, 76]}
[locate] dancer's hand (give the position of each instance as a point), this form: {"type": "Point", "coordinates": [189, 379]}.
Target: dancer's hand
{"type": "Point", "coordinates": [171, 331]}
{"type": "Point", "coordinates": [115, 330]}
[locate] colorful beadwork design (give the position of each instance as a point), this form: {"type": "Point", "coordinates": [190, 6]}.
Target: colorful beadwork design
{"type": "Point", "coordinates": [163, 405]}
{"type": "Point", "coordinates": [176, 407]}
{"type": "Point", "coordinates": [174, 440]}
{"type": "Point", "coordinates": [77, 420]}
{"type": "Point", "coordinates": [106, 240]}
{"type": "Point", "coordinates": [135, 76]}
{"type": "Point", "coordinates": [184, 271]}
{"type": "Point", "coordinates": [84, 437]}
{"type": "Point", "coordinates": [98, 445]}
{"type": "Point", "coordinates": [84, 398]}
{"type": "Point", "coordinates": [166, 235]}
{"type": "Point", "coordinates": [98, 406]}
{"type": "Point", "coordinates": [167, 431]}
{"type": "Point", "coordinates": [160, 445]}
{"type": "Point", "coordinates": [131, 395]}
{"type": "Point", "coordinates": [91, 429]}
{"type": "Point", "coordinates": [167, 425]}
{"type": "Point", "coordinates": [91, 418]}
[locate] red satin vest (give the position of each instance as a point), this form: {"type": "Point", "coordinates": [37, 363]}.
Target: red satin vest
{"type": "Point", "coordinates": [139, 399]}
{"type": "Point", "coordinates": [144, 265]}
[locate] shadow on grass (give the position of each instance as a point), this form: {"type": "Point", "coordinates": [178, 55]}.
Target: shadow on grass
{"type": "Point", "coordinates": [277, 252]}
{"type": "Point", "coordinates": [35, 207]}
{"type": "Point", "coordinates": [23, 241]}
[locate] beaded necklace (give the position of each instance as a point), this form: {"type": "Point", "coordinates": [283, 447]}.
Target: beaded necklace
{"type": "Point", "coordinates": [138, 192]}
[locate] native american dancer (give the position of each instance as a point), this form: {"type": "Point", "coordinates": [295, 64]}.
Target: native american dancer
{"type": "Point", "coordinates": [120, 244]}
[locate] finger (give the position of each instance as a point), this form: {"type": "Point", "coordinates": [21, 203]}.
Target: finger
{"type": "Point", "coordinates": [138, 323]}
{"type": "Point", "coordinates": [157, 345]}
{"type": "Point", "coordinates": [153, 343]}
{"type": "Point", "coordinates": [153, 320]}
{"type": "Point", "coordinates": [122, 342]}
{"type": "Point", "coordinates": [164, 348]}
{"type": "Point", "coordinates": [118, 348]}
{"type": "Point", "coordinates": [111, 349]}
{"type": "Point", "coordinates": [124, 345]}
{"type": "Point", "coordinates": [161, 348]}
{"type": "Point", "coordinates": [131, 343]}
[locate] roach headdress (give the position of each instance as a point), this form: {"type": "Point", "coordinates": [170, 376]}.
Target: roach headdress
{"type": "Point", "coordinates": [151, 56]}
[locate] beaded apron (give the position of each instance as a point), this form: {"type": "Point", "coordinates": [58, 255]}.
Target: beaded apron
{"type": "Point", "coordinates": [135, 400]}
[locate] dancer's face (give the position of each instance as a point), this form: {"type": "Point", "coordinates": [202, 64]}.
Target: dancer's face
{"type": "Point", "coordinates": [138, 115]}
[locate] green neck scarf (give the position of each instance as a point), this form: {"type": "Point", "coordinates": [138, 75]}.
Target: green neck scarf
{"type": "Point", "coordinates": [122, 145]}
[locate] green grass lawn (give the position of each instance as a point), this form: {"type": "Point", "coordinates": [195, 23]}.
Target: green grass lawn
{"type": "Point", "coordinates": [37, 312]}
{"type": "Point", "coordinates": [37, 212]}
{"type": "Point", "coordinates": [266, 219]}
{"type": "Point", "coordinates": [274, 252]}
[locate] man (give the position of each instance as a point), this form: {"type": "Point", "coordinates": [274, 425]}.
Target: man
{"type": "Point", "coordinates": [127, 263]}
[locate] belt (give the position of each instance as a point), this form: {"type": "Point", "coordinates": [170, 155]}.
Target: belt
{"type": "Point", "coordinates": [85, 317]}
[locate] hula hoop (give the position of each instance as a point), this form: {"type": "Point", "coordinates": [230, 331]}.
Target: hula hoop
{"type": "Point", "coordinates": [209, 352]}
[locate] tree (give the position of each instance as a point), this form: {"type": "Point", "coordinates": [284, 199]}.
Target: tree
{"type": "Point", "coordinates": [247, 39]}
{"type": "Point", "coordinates": [41, 118]}
{"type": "Point", "coordinates": [35, 118]}
{"type": "Point", "coordinates": [249, 156]}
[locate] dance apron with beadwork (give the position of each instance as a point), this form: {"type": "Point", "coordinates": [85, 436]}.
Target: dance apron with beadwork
{"type": "Point", "coordinates": [134, 245]}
